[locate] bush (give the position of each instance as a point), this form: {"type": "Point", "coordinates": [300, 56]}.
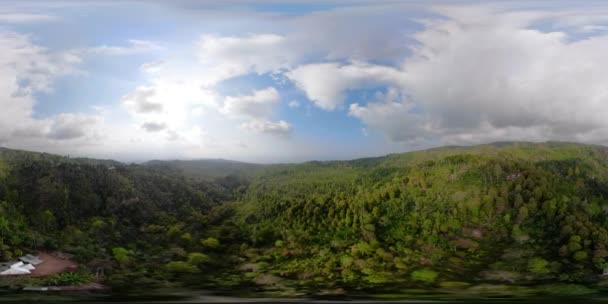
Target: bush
{"type": "Point", "coordinates": [198, 259]}
{"type": "Point", "coordinates": [212, 243]}
{"type": "Point", "coordinates": [538, 266]}
{"type": "Point", "coordinates": [68, 279]}
{"type": "Point", "coordinates": [454, 284]}
{"type": "Point", "coordinates": [424, 275]}
{"type": "Point", "coordinates": [580, 256]}
{"type": "Point", "coordinates": [120, 254]}
{"type": "Point", "coordinates": [181, 267]}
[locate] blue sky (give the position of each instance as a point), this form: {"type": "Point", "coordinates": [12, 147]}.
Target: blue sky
{"type": "Point", "coordinates": [270, 81]}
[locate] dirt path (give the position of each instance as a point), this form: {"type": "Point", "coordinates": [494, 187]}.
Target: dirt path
{"type": "Point", "coordinates": [51, 265]}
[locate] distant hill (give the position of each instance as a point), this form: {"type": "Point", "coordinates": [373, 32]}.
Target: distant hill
{"type": "Point", "coordinates": [12, 155]}
{"type": "Point", "coordinates": [204, 168]}
{"type": "Point", "coordinates": [198, 169]}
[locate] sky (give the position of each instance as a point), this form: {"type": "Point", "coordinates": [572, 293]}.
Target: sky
{"type": "Point", "coordinates": [289, 81]}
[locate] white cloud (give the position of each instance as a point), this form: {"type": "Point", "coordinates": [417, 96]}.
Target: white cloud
{"type": "Point", "coordinates": [594, 28]}
{"type": "Point", "coordinates": [133, 47]}
{"type": "Point", "coordinates": [140, 101]}
{"type": "Point", "coordinates": [294, 104]}
{"type": "Point", "coordinates": [151, 126]}
{"type": "Point", "coordinates": [280, 128]}
{"type": "Point", "coordinates": [261, 104]}
{"type": "Point", "coordinates": [582, 19]}
{"type": "Point", "coordinates": [376, 32]}
{"type": "Point", "coordinates": [228, 56]}
{"type": "Point", "coordinates": [483, 75]}
{"type": "Point", "coordinates": [71, 126]}
{"type": "Point", "coordinates": [152, 67]}
{"type": "Point", "coordinates": [176, 104]}
{"type": "Point", "coordinates": [257, 109]}
{"type": "Point", "coordinates": [392, 114]}
{"type": "Point", "coordinates": [326, 83]}
{"type": "Point", "coordinates": [27, 69]}
{"type": "Point", "coordinates": [473, 75]}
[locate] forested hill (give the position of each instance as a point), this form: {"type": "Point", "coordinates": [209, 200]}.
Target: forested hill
{"type": "Point", "coordinates": [512, 213]}
{"type": "Point", "coordinates": [506, 212]}
{"type": "Point", "coordinates": [205, 168]}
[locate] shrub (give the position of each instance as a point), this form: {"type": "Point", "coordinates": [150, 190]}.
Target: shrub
{"type": "Point", "coordinates": [181, 267]}
{"type": "Point", "coordinates": [424, 275]}
{"type": "Point", "coordinates": [68, 279]}
{"type": "Point", "coordinates": [120, 254]}
{"type": "Point", "coordinates": [538, 266]}
{"type": "Point", "coordinates": [198, 259]}
{"type": "Point", "coordinates": [212, 243]}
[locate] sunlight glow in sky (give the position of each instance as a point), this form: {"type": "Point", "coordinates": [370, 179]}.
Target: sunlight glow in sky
{"type": "Point", "coordinates": [271, 81]}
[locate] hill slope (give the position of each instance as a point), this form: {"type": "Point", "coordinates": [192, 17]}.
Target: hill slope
{"type": "Point", "coordinates": [204, 168]}
{"type": "Point", "coordinates": [503, 212]}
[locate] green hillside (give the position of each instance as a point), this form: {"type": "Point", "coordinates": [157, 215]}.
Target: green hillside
{"type": "Point", "coordinates": [509, 212]}
{"type": "Point", "coordinates": [204, 168]}
{"type": "Point", "coordinates": [502, 213]}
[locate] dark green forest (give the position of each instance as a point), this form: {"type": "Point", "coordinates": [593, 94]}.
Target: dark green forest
{"type": "Point", "coordinates": [453, 217]}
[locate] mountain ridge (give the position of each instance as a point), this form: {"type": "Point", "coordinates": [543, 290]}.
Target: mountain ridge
{"type": "Point", "coordinates": [496, 144]}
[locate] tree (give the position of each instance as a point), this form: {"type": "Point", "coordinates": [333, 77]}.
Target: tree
{"type": "Point", "coordinates": [198, 258]}
{"type": "Point", "coordinates": [424, 275]}
{"type": "Point", "coordinates": [181, 267]}
{"type": "Point", "coordinates": [538, 266]}
{"type": "Point", "coordinates": [497, 172]}
{"type": "Point", "coordinates": [580, 256]}
{"type": "Point", "coordinates": [211, 243]}
{"type": "Point", "coordinates": [121, 255]}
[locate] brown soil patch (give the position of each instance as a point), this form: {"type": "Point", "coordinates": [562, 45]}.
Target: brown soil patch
{"type": "Point", "coordinates": [51, 265]}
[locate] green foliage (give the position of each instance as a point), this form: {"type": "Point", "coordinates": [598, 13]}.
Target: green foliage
{"type": "Point", "coordinates": [424, 275]}
{"type": "Point", "coordinates": [211, 243]}
{"type": "Point", "coordinates": [186, 238]}
{"type": "Point", "coordinates": [68, 279]}
{"type": "Point", "coordinates": [580, 256]}
{"type": "Point", "coordinates": [198, 259]}
{"type": "Point", "coordinates": [181, 267]}
{"type": "Point", "coordinates": [488, 212]}
{"type": "Point", "coordinates": [121, 254]}
{"type": "Point", "coordinates": [538, 266]}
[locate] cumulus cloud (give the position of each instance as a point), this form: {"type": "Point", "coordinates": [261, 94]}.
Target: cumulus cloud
{"type": "Point", "coordinates": [260, 104]}
{"type": "Point", "coordinates": [393, 115]}
{"type": "Point", "coordinates": [326, 83]}
{"type": "Point", "coordinates": [462, 75]}
{"type": "Point", "coordinates": [71, 126]}
{"type": "Point", "coordinates": [481, 75]}
{"type": "Point", "coordinates": [27, 69]}
{"type": "Point", "coordinates": [151, 126]}
{"type": "Point", "coordinates": [229, 56]}
{"type": "Point", "coordinates": [140, 101]}
{"type": "Point", "coordinates": [361, 33]}
{"type": "Point", "coordinates": [350, 33]}
{"type": "Point", "coordinates": [175, 105]}
{"type": "Point", "coordinates": [280, 128]}
{"type": "Point", "coordinates": [258, 108]}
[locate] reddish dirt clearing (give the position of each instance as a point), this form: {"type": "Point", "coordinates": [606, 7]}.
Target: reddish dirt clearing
{"type": "Point", "coordinates": [51, 265]}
